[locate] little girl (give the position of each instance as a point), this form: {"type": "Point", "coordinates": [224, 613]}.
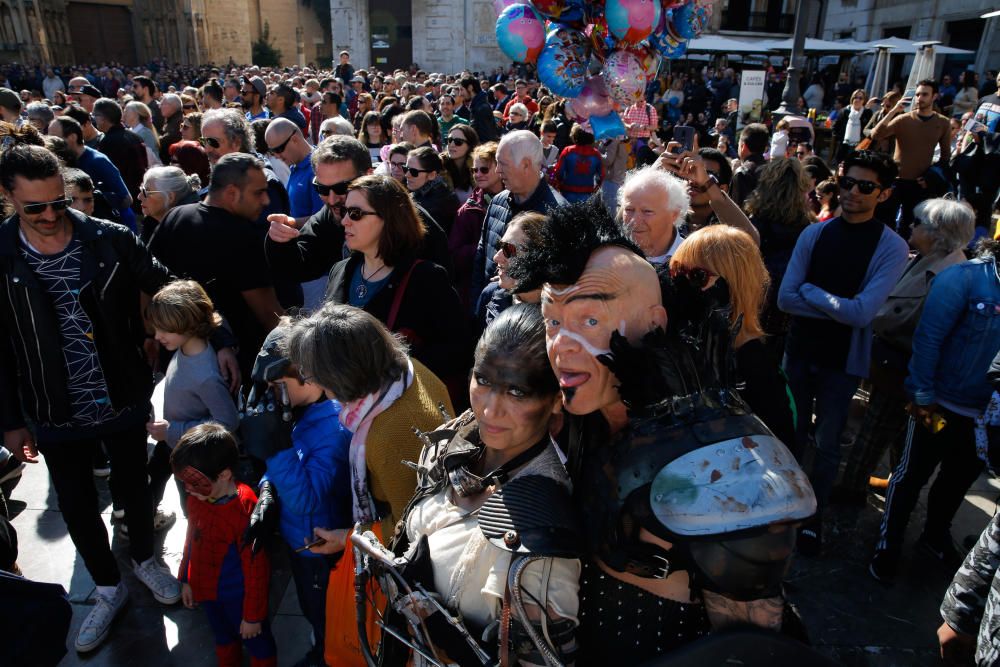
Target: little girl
{"type": "Point", "coordinates": [194, 392]}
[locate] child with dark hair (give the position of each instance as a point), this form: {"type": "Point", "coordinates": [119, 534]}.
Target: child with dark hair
{"type": "Point", "coordinates": [217, 573]}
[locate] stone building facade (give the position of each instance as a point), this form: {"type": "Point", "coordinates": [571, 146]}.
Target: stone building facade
{"type": "Point", "coordinates": [436, 35]}
{"type": "Point", "coordinates": [138, 31]}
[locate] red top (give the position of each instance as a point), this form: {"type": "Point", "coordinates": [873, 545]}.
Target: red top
{"type": "Point", "coordinates": [212, 530]}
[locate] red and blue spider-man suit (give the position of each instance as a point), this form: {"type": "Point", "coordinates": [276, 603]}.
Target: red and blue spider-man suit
{"type": "Point", "coordinates": [226, 579]}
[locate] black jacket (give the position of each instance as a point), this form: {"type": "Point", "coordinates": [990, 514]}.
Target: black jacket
{"type": "Point", "coordinates": [745, 178]}
{"type": "Point", "coordinates": [430, 315]}
{"type": "Point", "coordinates": [438, 199]}
{"type": "Point", "coordinates": [840, 126]}
{"type": "Point", "coordinates": [483, 121]}
{"type": "Point", "coordinates": [116, 266]}
{"type": "Point", "coordinates": [320, 245]}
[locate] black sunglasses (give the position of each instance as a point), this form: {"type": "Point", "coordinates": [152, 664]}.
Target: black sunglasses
{"type": "Point", "coordinates": [39, 207]}
{"type": "Point", "coordinates": [190, 106]}
{"type": "Point", "coordinates": [508, 249]}
{"type": "Point", "coordinates": [481, 170]}
{"type": "Point", "coordinates": [697, 276]}
{"type": "Point", "coordinates": [355, 213]}
{"type": "Point", "coordinates": [864, 187]}
{"type": "Point", "coordinates": [209, 141]}
{"type": "Point", "coordinates": [339, 189]}
{"type": "Point", "coordinates": [280, 148]}
{"type": "Point", "coordinates": [414, 172]}
{"type": "Point", "coordinates": [458, 141]}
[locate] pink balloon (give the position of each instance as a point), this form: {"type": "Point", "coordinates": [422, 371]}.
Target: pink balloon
{"type": "Point", "coordinates": [593, 100]}
{"type": "Point", "coordinates": [625, 78]}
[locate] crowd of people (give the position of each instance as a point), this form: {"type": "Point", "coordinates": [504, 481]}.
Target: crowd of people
{"type": "Point", "coordinates": [434, 312]}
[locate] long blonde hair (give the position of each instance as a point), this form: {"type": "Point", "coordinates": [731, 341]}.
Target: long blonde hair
{"type": "Point", "coordinates": [732, 255]}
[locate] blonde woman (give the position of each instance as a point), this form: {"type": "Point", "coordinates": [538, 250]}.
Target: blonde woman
{"type": "Point", "coordinates": [139, 119]}
{"type": "Point", "coordinates": [723, 252]}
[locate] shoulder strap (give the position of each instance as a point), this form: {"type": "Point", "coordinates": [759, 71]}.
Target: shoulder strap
{"type": "Point", "coordinates": [397, 299]}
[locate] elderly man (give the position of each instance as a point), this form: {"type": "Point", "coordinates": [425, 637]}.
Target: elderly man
{"type": "Point", "coordinates": [336, 126]}
{"type": "Point", "coordinates": [656, 205]}
{"type": "Point", "coordinates": [616, 361]}
{"type": "Point", "coordinates": [124, 148]}
{"type": "Point", "coordinates": [519, 163]}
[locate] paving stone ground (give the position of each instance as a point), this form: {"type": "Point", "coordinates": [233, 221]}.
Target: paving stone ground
{"type": "Point", "coordinates": [849, 616]}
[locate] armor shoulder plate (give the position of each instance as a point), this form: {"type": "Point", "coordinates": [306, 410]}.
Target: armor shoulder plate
{"type": "Point", "coordinates": [531, 514]}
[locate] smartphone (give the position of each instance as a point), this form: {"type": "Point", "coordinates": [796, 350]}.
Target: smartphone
{"type": "Point", "coordinates": [908, 96]}
{"type": "Point", "coordinates": [314, 543]}
{"type": "Point", "coordinates": [684, 135]}
{"type": "Point", "coordinates": [974, 126]}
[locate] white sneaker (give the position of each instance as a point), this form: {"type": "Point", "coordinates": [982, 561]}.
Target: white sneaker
{"type": "Point", "coordinates": [163, 520]}
{"type": "Point", "coordinates": [163, 585]}
{"type": "Point", "coordinates": [97, 625]}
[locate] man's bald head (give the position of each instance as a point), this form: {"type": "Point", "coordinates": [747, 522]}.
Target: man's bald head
{"type": "Point", "coordinates": [285, 141]}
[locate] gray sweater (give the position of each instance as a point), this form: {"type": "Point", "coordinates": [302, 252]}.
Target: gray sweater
{"type": "Point", "coordinates": [194, 393]}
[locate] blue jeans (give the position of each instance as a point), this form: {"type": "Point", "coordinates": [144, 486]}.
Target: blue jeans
{"type": "Point", "coordinates": [828, 393]}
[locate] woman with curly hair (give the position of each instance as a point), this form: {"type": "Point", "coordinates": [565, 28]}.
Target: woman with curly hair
{"type": "Point", "coordinates": [778, 208]}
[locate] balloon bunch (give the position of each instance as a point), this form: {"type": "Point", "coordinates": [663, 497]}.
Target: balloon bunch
{"type": "Point", "coordinates": [600, 54]}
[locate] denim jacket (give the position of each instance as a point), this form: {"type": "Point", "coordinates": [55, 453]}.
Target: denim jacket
{"type": "Point", "coordinates": [957, 337]}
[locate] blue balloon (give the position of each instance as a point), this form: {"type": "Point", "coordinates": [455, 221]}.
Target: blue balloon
{"type": "Point", "coordinates": [520, 33]}
{"type": "Point", "coordinates": [560, 71]}
{"type": "Point", "coordinates": [607, 127]}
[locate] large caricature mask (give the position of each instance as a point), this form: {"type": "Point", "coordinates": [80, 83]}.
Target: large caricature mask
{"type": "Point", "coordinates": [617, 291]}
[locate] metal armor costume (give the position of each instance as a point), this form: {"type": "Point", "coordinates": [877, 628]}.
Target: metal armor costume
{"type": "Point", "coordinates": [529, 516]}
{"type": "Point", "coordinates": [691, 465]}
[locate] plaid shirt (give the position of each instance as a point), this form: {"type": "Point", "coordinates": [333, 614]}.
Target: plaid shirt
{"type": "Point", "coordinates": [212, 530]}
{"type": "Point", "coordinates": [644, 116]}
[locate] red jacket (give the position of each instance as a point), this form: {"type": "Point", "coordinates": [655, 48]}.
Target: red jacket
{"type": "Point", "coordinates": [464, 239]}
{"type": "Point", "coordinates": [212, 530]}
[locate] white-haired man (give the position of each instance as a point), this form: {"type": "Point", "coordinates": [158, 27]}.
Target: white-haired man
{"type": "Point", "coordinates": [519, 163]}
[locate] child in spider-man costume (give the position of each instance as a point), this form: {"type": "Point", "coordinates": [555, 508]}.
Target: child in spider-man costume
{"type": "Point", "coordinates": [217, 573]}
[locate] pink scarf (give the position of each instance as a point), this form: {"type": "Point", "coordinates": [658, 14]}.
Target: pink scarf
{"type": "Point", "coordinates": [357, 417]}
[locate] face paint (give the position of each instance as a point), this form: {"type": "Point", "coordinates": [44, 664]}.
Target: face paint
{"type": "Point", "coordinates": [513, 400]}
{"type": "Point", "coordinates": [196, 481]}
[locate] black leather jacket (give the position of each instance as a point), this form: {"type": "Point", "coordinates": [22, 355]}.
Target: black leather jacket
{"type": "Point", "coordinates": [116, 266]}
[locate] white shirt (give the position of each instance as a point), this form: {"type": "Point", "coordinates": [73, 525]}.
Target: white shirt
{"type": "Point", "coordinates": [852, 134]}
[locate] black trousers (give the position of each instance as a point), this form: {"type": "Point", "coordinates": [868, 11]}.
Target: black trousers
{"type": "Point", "coordinates": [954, 449]}
{"type": "Point", "coordinates": [71, 468]}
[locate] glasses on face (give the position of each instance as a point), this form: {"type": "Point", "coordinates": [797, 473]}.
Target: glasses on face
{"type": "Point", "coordinates": [190, 107]}
{"type": "Point", "coordinates": [209, 141]}
{"type": "Point", "coordinates": [697, 276]}
{"type": "Point", "coordinates": [247, 92]}
{"type": "Point", "coordinates": [514, 114]}
{"type": "Point", "coordinates": [280, 148]}
{"type": "Point", "coordinates": [57, 205]}
{"type": "Point", "coordinates": [508, 249]}
{"type": "Point", "coordinates": [355, 213]}
{"type": "Point", "coordinates": [414, 172]}
{"type": "Point", "coordinates": [397, 165]}
{"type": "Point", "coordinates": [864, 187]}
{"type": "Point", "coordinates": [339, 189]}
{"type": "Point", "coordinates": [800, 153]}
{"type": "Point", "coordinates": [481, 170]}
{"type": "Point", "coordinates": [458, 141]}
{"type": "Point", "coordinates": [145, 193]}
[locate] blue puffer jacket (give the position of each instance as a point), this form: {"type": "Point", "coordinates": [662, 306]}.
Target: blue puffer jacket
{"type": "Point", "coordinates": [957, 337]}
{"type": "Point", "coordinates": [313, 477]}
{"type": "Point", "coordinates": [501, 210]}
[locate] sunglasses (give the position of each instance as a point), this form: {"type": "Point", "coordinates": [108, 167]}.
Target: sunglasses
{"type": "Point", "coordinates": [248, 92]}
{"type": "Point", "coordinates": [414, 172]}
{"type": "Point", "coordinates": [339, 189]}
{"type": "Point", "coordinates": [864, 187]}
{"type": "Point", "coordinates": [209, 141]}
{"type": "Point", "coordinates": [190, 106]}
{"type": "Point", "coordinates": [508, 249]}
{"type": "Point", "coordinates": [457, 141]}
{"type": "Point", "coordinates": [145, 193]}
{"type": "Point", "coordinates": [514, 113]}
{"type": "Point", "coordinates": [355, 213]}
{"type": "Point", "coordinates": [39, 207]}
{"type": "Point", "coordinates": [280, 148]}
{"type": "Point", "coordinates": [481, 170]}
{"type": "Point", "coordinates": [697, 276]}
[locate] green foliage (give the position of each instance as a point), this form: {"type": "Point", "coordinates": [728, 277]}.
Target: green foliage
{"type": "Point", "coordinates": [263, 52]}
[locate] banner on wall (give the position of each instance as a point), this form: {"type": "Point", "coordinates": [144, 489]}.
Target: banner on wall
{"type": "Point", "coordinates": [751, 97]}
